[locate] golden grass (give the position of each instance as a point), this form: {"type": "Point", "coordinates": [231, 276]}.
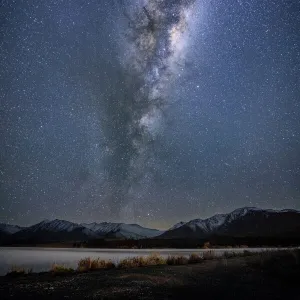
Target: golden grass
{"type": "Point", "coordinates": [18, 271]}
{"type": "Point", "coordinates": [61, 269]}
{"type": "Point", "coordinates": [264, 258]}
{"type": "Point", "coordinates": [88, 264]}
{"type": "Point", "coordinates": [153, 259]}
{"type": "Point", "coordinates": [206, 245]}
{"type": "Point", "coordinates": [177, 260]}
{"type": "Point", "coordinates": [195, 258]}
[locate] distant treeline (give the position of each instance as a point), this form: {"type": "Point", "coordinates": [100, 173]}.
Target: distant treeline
{"type": "Point", "coordinates": [214, 241]}
{"type": "Point", "coordinates": [210, 242]}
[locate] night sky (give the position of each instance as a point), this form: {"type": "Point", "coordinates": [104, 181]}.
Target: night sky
{"type": "Point", "coordinates": [148, 112]}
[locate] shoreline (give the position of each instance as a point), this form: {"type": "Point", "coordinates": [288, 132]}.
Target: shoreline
{"type": "Point", "coordinates": [154, 258]}
{"type": "Point", "coordinates": [259, 276]}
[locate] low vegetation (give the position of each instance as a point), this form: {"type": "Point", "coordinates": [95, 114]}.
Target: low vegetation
{"type": "Point", "coordinates": [195, 258]}
{"type": "Point", "coordinates": [61, 269]}
{"type": "Point", "coordinates": [89, 264]}
{"type": "Point", "coordinates": [177, 260]}
{"type": "Point", "coordinates": [18, 271]}
{"type": "Point", "coordinates": [271, 260]}
{"type": "Point", "coordinates": [142, 261]}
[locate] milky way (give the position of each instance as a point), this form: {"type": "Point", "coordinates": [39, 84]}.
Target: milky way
{"type": "Point", "coordinates": [148, 111]}
{"type": "Point", "coordinates": [155, 34]}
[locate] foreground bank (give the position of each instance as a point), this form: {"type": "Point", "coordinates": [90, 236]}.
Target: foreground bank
{"type": "Point", "coordinates": [272, 276]}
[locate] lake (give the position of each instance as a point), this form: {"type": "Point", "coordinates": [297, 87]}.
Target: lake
{"type": "Point", "coordinates": [41, 259]}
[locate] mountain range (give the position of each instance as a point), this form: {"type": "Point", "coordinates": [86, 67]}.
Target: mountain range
{"type": "Point", "coordinates": [247, 221]}
{"type": "Point", "coordinates": [61, 230]}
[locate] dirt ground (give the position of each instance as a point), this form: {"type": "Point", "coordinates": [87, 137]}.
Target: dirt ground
{"type": "Point", "coordinates": [234, 278]}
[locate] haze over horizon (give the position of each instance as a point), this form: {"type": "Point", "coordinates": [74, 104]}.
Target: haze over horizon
{"type": "Point", "coordinates": [148, 112]}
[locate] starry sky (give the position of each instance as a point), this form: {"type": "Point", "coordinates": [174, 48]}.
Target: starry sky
{"type": "Point", "coordinates": [148, 111]}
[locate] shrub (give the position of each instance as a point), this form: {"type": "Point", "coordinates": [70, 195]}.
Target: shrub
{"type": "Point", "coordinates": [177, 260]}
{"type": "Point", "coordinates": [87, 264]}
{"type": "Point", "coordinates": [84, 264]}
{"type": "Point", "coordinates": [154, 259]}
{"type": "Point", "coordinates": [18, 271]}
{"type": "Point", "coordinates": [97, 264]}
{"type": "Point", "coordinates": [61, 269]}
{"type": "Point", "coordinates": [206, 245]}
{"type": "Point", "coordinates": [132, 262]}
{"type": "Point", "coordinates": [195, 258]}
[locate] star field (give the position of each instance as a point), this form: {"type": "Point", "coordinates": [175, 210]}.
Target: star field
{"type": "Point", "coordinates": [110, 114]}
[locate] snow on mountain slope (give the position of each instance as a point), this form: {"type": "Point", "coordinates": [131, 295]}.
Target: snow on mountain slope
{"type": "Point", "coordinates": [177, 225]}
{"type": "Point", "coordinates": [10, 229]}
{"type": "Point", "coordinates": [125, 230]}
{"type": "Point", "coordinates": [241, 212]}
{"type": "Point", "coordinates": [54, 226]}
{"type": "Point", "coordinates": [207, 225]}
{"type": "Point", "coordinates": [137, 231]}
{"type": "Point", "coordinates": [103, 227]}
{"type": "Point", "coordinates": [247, 217]}
{"type": "Point", "coordinates": [56, 230]}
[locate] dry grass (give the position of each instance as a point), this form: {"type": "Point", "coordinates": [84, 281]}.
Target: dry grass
{"type": "Point", "coordinates": [195, 258]}
{"type": "Point", "coordinates": [18, 271]}
{"type": "Point", "coordinates": [153, 259]}
{"type": "Point", "coordinates": [132, 262]}
{"type": "Point", "coordinates": [98, 264]}
{"type": "Point", "coordinates": [276, 260]}
{"type": "Point", "coordinates": [177, 260]}
{"type": "Point", "coordinates": [84, 264]}
{"type": "Point", "coordinates": [61, 269]}
{"type": "Point", "coordinates": [206, 245]}
{"type": "Point", "coordinates": [88, 264]}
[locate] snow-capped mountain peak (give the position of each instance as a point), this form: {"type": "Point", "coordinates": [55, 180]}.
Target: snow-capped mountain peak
{"type": "Point", "coordinates": [242, 221]}
{"type": "Point", "coordinates": [55, 226]}
{"type": "Point", "coordinates": [123, 230]}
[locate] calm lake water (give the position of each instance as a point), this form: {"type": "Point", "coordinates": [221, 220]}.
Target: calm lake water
{"type": "Point", "coordinates": [41, 259]}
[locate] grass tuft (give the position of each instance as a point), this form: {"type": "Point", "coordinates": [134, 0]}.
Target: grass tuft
{"type": "Point", "coordinates": [153, 259]}
{"type": "Point", "coordinates": [132, 262]}
{"type": "Point", "coordinates": [84, 264]}
{"type": "Point", "coordinates": [177, 260]}
{"type": "Point", "coordinates": [98, 264]}
{"type": "Point", "coordinates": [195, 258]}
{"type": "Point", "coordinates": [59, 269]}
{"type": "Point", "coordinates": [88, 264]}
{"type": "Point", "coordinates": [18, 271]}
